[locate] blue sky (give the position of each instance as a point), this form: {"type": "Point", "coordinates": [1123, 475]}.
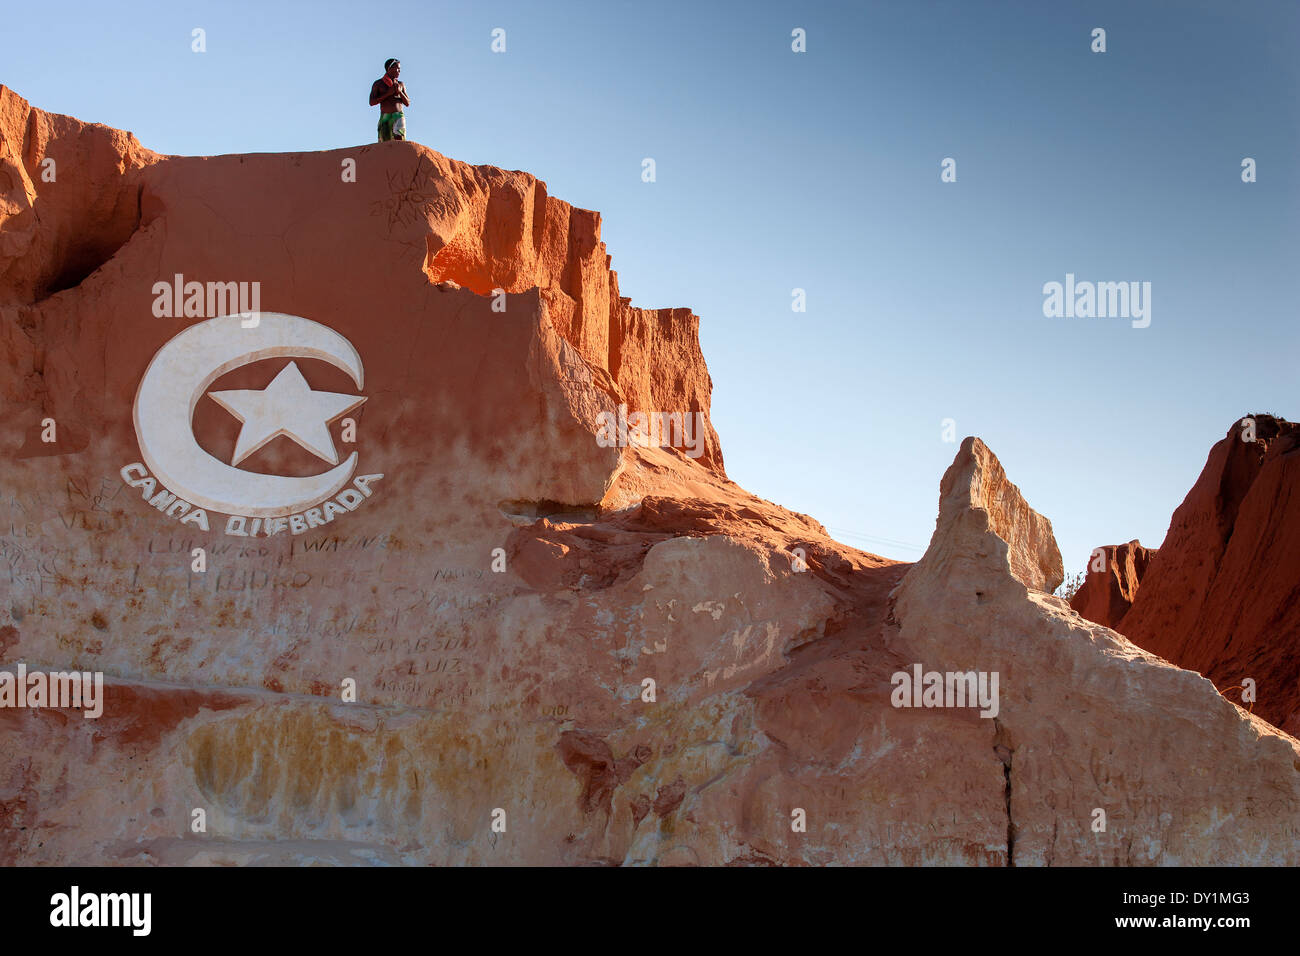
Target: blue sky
{"type": "Point", "coordinates": [821, 171]}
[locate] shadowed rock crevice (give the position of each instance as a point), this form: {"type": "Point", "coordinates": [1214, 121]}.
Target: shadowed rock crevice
{"type": "Point", "coordinates": [1005, 753]}
{"type": "Point", "coordinates": [82, 259]}
{"type": "Point", "coordinates": [550, 510]}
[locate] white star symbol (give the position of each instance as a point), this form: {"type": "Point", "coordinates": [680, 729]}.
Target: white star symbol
{"type": "Point", "coordinates": [288, 407]}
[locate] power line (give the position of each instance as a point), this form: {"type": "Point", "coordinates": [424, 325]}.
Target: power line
{"type": "Point", "coordinates": [888, 542]}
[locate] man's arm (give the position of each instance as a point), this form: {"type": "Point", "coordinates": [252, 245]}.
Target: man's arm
{"type": "Point", "coordinates": [401, 94]}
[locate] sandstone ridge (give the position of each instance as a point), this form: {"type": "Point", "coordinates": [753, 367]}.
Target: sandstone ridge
{"type": "Point", "coordinates": [615, 649]}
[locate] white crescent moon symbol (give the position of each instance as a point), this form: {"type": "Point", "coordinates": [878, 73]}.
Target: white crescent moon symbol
{"type": "Point", "coordinates": [180, 374]}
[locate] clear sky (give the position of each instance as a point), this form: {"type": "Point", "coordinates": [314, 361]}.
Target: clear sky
{"type": "Point", "coordinates": [820, 170]}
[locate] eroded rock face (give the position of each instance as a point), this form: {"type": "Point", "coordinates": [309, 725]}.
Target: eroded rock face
{"type": "Point", "coordinates": [976, 489]}
{"type": "Point", "coordinates": [410, 217]}
{"type": "Point", "coordinates": [614, 650]}
{"type": "Point", "coordinates": [1087, 721]}
{"type": "Point", "coordinates": [1114, 573]}
{"type": "Point", "coordinates": [1222, 596]}
{"type": "Point", "coordinates": [89, 216]}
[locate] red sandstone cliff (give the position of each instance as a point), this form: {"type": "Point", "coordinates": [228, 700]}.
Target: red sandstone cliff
{"type": "Point", "coordinates": [428, 218]}
{"type": "Point", "coordinates": [503, 597]}
{"type": "Point", "coordinates": [1111, 584]}
{"type": "Point", "coordinates": [1222, 595]}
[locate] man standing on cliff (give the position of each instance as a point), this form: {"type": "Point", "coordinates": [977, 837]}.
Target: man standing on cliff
{"type": "Point", "coordinates": [390, 96]}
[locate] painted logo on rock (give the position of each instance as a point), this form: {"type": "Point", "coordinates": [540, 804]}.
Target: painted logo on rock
{"type": "Point", "coordinates": [185, 482]}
